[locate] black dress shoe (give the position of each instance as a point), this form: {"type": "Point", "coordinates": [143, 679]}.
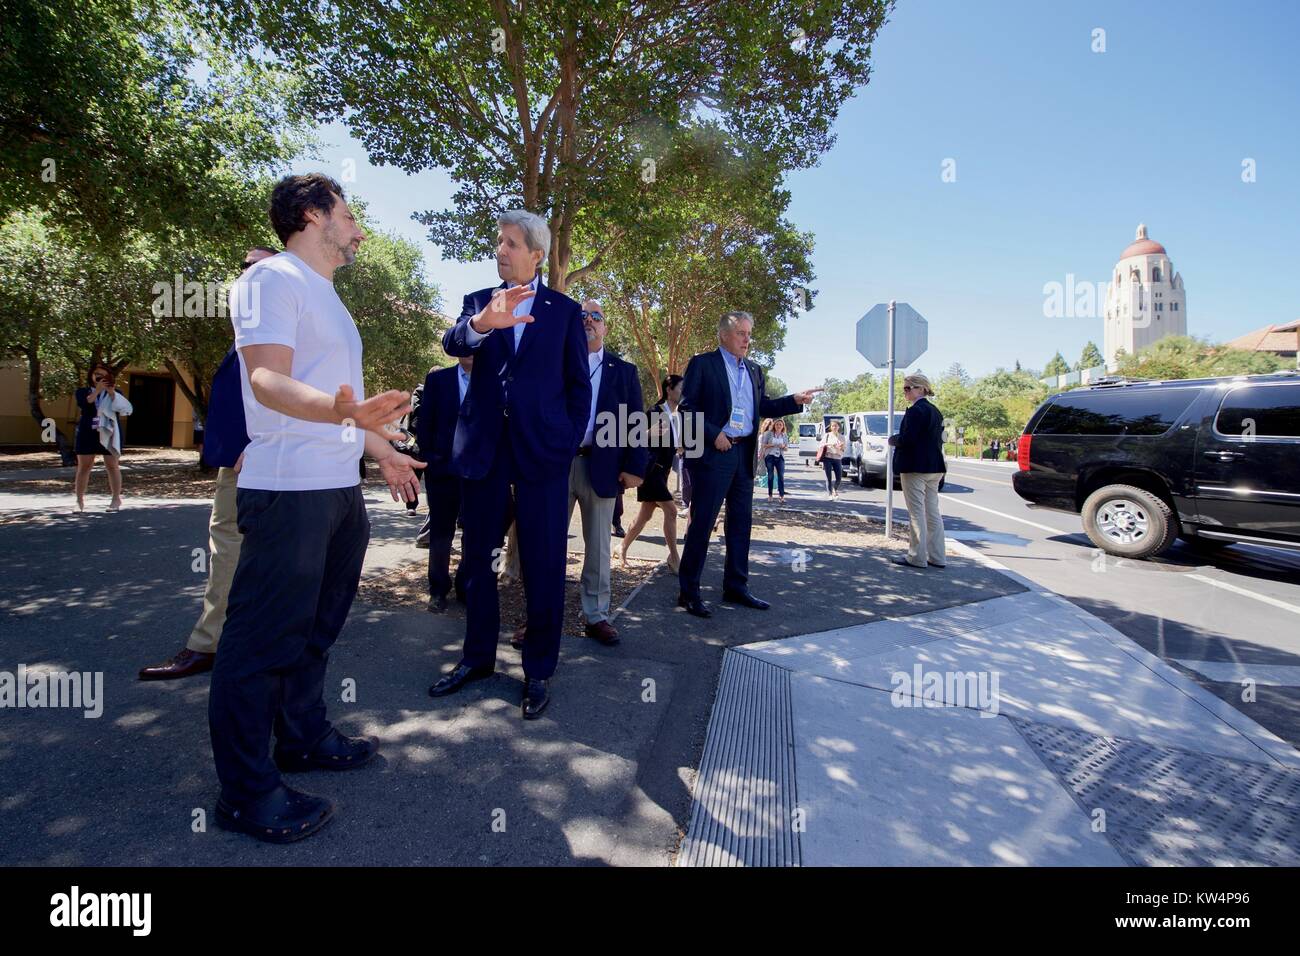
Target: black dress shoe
{"type": "Point", "coordinates": [461, 675]}
{"type": "Point", "coordinates": [904, 562]}
{"type": "Point", "coordinates": [438, 605]}
{"type": "Point", "coordinates": [745, 599]}
{"type": "Point", "coordinates": [619, 532]}
{"type": "Point", "coordinates": [335, 752]}
{"type": "Point", "coordinates": [536, 697]}
{"type": "Point", "coordinates": [694, 606]}
{"type": "Point", "coordinates": [282, 816]}
{"type": "Point", "coordinates": [933, 565]}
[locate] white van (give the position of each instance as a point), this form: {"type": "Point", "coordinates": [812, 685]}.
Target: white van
{"type": "Point", "coordinates": [868, 444]}
{"type": "Point", "coordinates": [809, 437]}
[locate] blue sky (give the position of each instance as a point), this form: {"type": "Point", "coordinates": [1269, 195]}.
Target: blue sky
{"type": "Point", "coordinates": [1059, 153]}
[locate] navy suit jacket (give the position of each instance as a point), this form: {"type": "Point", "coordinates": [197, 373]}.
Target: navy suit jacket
{"type": "Point", "coordinates": [435, 420]}
{"type": "Point", "coordinates": [920, 440]}
{"type": "Point", "coordinates": [225, 431]}
{"type": "Point", "coordinates": [707, 389]}
{"type": "Point", "coordinates": [542, 394]}
{"type": "Point", "coordinates": [618, 386]}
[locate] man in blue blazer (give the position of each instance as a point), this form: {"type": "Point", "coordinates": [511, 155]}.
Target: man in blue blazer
{"type": "Point", "coordinates": [435, 432]}
{"type": "Point", "coordinates": [729, 393]}
{"type": "Point", "coordinates": [520, 425]}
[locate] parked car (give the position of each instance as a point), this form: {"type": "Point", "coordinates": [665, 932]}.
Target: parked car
{"type": "Point", "coordinates": [1214, 461]}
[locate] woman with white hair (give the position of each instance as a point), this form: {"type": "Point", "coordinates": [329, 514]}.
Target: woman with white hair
{"type": "Point", "coordinates": [918, 461]}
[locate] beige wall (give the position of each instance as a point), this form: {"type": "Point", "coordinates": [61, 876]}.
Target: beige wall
{"type": "Point", "coordinates": [17, 427]}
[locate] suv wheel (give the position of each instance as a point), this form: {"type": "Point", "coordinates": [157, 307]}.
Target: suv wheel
{"type": "Point", "coordinates": [1129, 522]}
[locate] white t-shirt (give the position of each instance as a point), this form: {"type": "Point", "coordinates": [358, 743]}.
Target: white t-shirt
{"type": "Point", "coordinates": [283, 301]}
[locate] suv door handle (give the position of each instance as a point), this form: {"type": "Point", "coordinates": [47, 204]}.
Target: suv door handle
{"type": "Point", "coordinates": [1224, 455]}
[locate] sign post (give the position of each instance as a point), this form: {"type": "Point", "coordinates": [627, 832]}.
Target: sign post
{"type": "Point", "coordinates": [892, 335]}
{"type": "Point", "coordinates": [889, 452]}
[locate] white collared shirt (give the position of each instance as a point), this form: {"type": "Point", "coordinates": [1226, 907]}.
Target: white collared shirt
{"type": "Point", "coordinates": [596, 370]}
{"type": "Point", "coordinates": [462, 381]}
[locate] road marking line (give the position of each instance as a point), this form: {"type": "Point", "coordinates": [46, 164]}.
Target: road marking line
{"type": "Point", "coordinates": [991, 481]}
{"type": "Point", "coordinates": [1000, 514]}
{"type": "Point", "coordinates": [1234, 672]}
{"type": "Point", "coordinates": [1244, 593]}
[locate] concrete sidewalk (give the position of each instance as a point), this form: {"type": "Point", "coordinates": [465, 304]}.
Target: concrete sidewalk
{"type": "Point", "coordinates": [1039, 735]}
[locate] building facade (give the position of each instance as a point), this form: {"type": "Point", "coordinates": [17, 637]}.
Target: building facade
{"type": "Point", "coordinates": [1146, 300]}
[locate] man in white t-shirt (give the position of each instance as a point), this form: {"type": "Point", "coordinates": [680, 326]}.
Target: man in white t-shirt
{"type": "Point", "coordinates": [301, 513]}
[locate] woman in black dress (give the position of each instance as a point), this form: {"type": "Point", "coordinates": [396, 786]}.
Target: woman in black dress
{"type": "Point", "coordinates": [653, 492]}
{"type": "Point", "coordinates": [87, 444]}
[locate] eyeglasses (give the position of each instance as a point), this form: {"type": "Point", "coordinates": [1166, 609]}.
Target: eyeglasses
{"type": "Point", "coordinates": [594, 316]}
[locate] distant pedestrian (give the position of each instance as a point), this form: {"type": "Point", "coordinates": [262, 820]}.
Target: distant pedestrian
{"type": "Point", "coordinates": [772, 447]}
{"type": "Point", "coordinates": [653, 493]}
{"type": "Point", "coordinates": [918, 461]}
{"type": "Point", "coordinates": [831, 455]}
{"type": "Point", "coordinates": [99, 432]}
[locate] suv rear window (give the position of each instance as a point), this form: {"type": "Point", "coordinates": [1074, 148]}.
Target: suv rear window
{"type": "Point", "coordinates": [1271, 411]}
{"type": "Point", "coordinates": [1121, 411]}
{"type": "Point", "coordinates": [807, 431]}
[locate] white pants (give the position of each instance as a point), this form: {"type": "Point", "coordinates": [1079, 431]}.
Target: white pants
{"type": "Point", "coordinates": [921, 491]}
{"type": "Point", "coordinates": [597, 518]}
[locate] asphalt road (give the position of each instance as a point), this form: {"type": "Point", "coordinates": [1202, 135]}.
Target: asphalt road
{"type": "Point", "coordinates": [1224, 619]}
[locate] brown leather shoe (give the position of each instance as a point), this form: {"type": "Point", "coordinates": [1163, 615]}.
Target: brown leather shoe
{"type": "Point", "coordinates": [604, 632]}
{"type": "Point", "coordinates": [517, 638]}
{"type": "Point", "coordinates": [184, 664]}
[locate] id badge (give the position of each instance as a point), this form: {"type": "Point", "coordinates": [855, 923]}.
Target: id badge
{"type": "Point", "coordinates": [738, 419]}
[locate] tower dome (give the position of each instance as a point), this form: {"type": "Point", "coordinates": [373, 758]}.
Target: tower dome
{"type": "Point", "coordinates": [1142, 246]}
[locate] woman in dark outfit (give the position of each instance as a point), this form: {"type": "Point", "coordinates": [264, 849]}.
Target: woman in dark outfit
{"type": "Point", "coordinates": [87, 441]}
{"type": "Point", "coordinates": [653, 492]}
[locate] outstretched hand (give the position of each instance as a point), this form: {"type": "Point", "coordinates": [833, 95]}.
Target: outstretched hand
{"type": "Point", "coordinates": [399, 472]}
{"type": "Point", "coordinates": [500, 312]}
{"type": "Point", "coordinates": [806, 397]}
{"type": "Point", "coordinates": [375, 412]}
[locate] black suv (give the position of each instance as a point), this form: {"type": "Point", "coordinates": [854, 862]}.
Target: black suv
{"type": "Point", "coordinates": [1214, 461]}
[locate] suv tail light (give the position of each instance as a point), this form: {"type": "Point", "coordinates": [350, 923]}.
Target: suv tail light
{"type": "Point", "coordinates": [1022, 452]}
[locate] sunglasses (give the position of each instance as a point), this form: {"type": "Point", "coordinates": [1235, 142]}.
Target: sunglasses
{"type": "Point", "coordinates": [594, 316]}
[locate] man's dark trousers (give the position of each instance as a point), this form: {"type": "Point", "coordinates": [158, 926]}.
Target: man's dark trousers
{"type": "Point", "coordinates": [297, 575]}
{"type": "Point", "coordinates": [725, 477]}
{"type": "Point", "coordinates": [444, 494]}
{"type": "Point", "coordinates": [542, 519]}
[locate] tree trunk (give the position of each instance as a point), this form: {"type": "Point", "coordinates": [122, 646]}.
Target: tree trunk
{"type": "Point", "coordinates": [194, 395]}
{"type": "Point", "coordinates": [66, 454]}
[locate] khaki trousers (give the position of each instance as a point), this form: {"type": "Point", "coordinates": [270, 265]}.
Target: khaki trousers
{"type": "Point", "coordinates": [224, 540]}
{"type": "Point", "coordinates": [597, 516]}
{"type": "Point", "coordinates": [925, 526]}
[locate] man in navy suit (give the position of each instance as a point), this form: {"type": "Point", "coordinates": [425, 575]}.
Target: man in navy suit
{"type": "Point", "coordinates": [729, 393]}
{"type": "Point", "coordinates": [520, 425]}
{"type": "Point", "coordinates": [435, 432]}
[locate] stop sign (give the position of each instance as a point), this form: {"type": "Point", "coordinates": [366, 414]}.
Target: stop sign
{"type": "Point", "coordinates": [911, 335]}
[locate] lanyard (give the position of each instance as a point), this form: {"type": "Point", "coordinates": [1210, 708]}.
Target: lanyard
{"type": "Point", "coordinates": [740, 375]}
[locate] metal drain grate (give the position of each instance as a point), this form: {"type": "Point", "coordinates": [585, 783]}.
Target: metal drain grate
{"type": "Point", "coordinates": [1168, 807]}
{"type": "Point", "coordinates": [745, 794]}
